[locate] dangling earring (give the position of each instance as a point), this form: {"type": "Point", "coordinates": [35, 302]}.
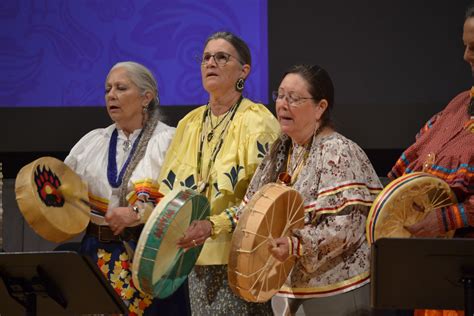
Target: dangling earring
{"type": "Point", "coordinates": [145, 114]}
{"type": "Point", "coordinates": [239, 85]}
{"type": "Point", "coordinates": [317, 130]}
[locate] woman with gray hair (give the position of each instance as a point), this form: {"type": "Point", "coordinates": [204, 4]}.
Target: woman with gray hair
{"type": "Point", "coordinates": [118, 163]}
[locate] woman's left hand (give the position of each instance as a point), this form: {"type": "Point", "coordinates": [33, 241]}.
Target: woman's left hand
{"type": "Point", "coordinates": [279, 248]}
{"type": "Point", "coordinates": [121, 217]}
{"type": "Point", "coordinates": [196, 234]}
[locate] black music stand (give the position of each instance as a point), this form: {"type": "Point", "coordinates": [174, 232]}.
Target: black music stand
{"type": "Point", "coordinates": [423, 273]}
{"type": "Point", "coordinates": [54, 283]}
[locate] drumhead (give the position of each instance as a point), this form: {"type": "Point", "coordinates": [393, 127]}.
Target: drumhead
{"type": "Point", "coordinates": [159, 266]}
{"type": "Point", "coordinates": [44, 207]}
{"type": "Point", "coordinates": [253, 273]}
{"type": "Point", "coordinates": [404, 202]}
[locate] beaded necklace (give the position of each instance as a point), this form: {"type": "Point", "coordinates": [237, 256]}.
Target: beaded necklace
{"type": "Point", "coordinates": [115, 181]}
{"type": "Point", "coordinates": [289, 176]}
{"type": "Point", "coordinates": [202, 184]}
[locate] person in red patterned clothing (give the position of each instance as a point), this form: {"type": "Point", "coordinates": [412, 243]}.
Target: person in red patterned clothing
{"type": "Point", "coordinates": [445, 147]}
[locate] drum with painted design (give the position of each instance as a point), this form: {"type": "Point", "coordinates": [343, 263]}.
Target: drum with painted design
{"type": "Point", "coordinates": [49, 213]}
{"type": "Point", "coordinates": [159, 266]}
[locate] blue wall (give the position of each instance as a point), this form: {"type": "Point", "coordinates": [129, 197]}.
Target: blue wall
{"type": "Point", "coordinates": [58, 52]}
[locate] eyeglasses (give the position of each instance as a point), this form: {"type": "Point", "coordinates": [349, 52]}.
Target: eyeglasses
{"type": "Point", "coordinates": [291, 99]}
{"type": "Point", "coordinates": [221, 58]}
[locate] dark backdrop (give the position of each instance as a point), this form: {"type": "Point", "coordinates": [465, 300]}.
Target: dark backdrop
{"type": "Point", "coordinates": [394, 64]}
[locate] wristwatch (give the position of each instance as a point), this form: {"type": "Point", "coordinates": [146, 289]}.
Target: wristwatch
{"type": "Point", "coordinates": [136, 209]}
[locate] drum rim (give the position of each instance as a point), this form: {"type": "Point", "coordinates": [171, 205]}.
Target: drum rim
{"type": "Point", "coordinates": [386, 193]}
{"type": "Point", "coordinates": [233, 270]}
{"type": "Point", "coordinates": [139, 273]}
{"type": "Point", "coordinates": [38, 221]}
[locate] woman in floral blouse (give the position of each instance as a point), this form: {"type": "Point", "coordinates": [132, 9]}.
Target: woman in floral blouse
{"type": "Point", "coordinates": [338, 185]}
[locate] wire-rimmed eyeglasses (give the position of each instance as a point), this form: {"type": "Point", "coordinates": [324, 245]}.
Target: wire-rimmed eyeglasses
{"type": "Point", "coordinates": [291, 99]}
{"type": "Point", "coordinates": [221, 58]}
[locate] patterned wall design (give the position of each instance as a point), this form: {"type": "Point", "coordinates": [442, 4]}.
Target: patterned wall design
{"type": "Point", "coordinates": [58, 52]}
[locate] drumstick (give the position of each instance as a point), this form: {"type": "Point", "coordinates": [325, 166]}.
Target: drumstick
{"type": "Point", "coordinates": [66, 191]}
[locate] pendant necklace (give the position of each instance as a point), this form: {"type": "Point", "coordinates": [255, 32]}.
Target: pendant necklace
{"type": "Point", "coordinates": [289, 176]}
{"type": "Point", "coordinates": [210, 135]}
{"type": "Point", "coordinates": [203, 184]}
{"type": "Point", "coordinates": [126, 145]}
{"type": "Point", "coordinates": [116, 180]}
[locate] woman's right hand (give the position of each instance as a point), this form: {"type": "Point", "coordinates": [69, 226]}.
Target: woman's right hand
{"type": "Point", "coordinates": [196, 234]}
{"type": "Point", "coordinates": [279, 248]}
{"type": "Point", "coordinates": [120, 218]}
{"type": "Point", "coordinates": [427, 227]}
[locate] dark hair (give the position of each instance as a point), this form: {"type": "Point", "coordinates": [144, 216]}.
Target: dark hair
{"type": "Point", "coordinates": [320, 86]}
{"type": "Point", "coordinates": [470, 11]}
{"type": "Point", "coordinates": [239, 45]}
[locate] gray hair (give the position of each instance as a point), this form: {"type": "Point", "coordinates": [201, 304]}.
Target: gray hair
{"type": "Point", "coordinates": [142, 78]}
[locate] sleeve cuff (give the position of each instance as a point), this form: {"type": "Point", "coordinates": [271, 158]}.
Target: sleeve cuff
{"type": "Point", "coordinates": [224, 222]}
{"type": "Point", "coordinates": [145, 190]}
{"type": "Point", "coordinates": [452, 217]}
{"type": "Point", "coordinates": [295, 247]}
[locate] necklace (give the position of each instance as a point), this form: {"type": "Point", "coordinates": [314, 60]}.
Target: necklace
{"type": "Point", "coordinates": [470, 111]}
{"type": "Point", "coordinates": [126, 145]}
{"type": "Point", "coordinates": [201, 183]}
{"type": "Point", "coordinates": [289, 176]}
{"type": "Point", "coordinates": [114, 180]}
{"type": "Point", "coordinates": [210, 135]}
